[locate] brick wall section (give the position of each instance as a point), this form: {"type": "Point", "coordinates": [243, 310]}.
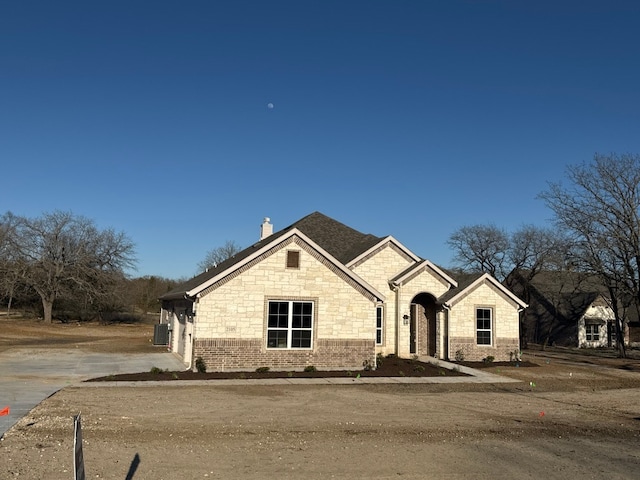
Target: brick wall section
{"type": "Point", "coordinates": [502, 352]}
{"type": "Point", "coordinates": [231, 354]}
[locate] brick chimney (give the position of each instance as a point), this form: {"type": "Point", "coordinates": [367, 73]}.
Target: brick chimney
{"type": "Point", "coordinates": [266, 228]}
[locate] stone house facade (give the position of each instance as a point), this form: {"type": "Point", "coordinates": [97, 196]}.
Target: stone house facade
{"type": "Point", "coordinates": [323, 294]}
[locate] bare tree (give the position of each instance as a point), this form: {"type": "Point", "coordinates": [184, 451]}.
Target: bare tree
{"type": "Point", "coordinates": [480, 248]}
{"type": "Point", "coordinates": [487, 248]}
{"type": "Point", "coordinates": [11, 268]}
{"type": "Point", "coordinates": [533, 249]}
{"type": "Point", "coordinates": [218, 255]}
{"type": "Point", "coordinates": [600, 209]}
{"type": "Point", "coordinates": [63, 254]}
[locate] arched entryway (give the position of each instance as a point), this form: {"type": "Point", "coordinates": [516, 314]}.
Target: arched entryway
{"type": "Point", "coordinates": [422, 339]}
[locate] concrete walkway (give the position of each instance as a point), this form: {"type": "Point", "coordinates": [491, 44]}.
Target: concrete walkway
{"type": "Point", "coordinates": [28, 377]}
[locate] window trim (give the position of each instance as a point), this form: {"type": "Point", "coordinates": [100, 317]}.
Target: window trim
{"type": "Point", "coordinates": [289, 329]}
{"type": "Point", "coordinates": [380, 327]}
{"type": "Point", "coordinates": [490, 329]}
{"type": "Point", "coordinates": [595, 331]}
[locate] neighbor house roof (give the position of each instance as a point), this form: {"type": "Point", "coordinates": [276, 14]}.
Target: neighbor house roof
{"type": "Point", "coordinates": [338, 240]}
{"type": "Point", "coordinates": [567, 293]}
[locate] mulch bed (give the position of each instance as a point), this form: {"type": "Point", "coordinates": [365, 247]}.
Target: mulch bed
{"type": "Point", "coordinates": [391, 367]}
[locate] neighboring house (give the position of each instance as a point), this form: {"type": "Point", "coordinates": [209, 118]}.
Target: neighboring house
{"type": "Point", "coordinates": [565, 308]}
{"type": "Point", "coordinates": [321, 293]}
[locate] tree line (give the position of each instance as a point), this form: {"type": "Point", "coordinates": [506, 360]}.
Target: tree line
{"type": "Point", "coordinates": [65, 261]}
{"type": "Point", "coordinates": [596, 231]}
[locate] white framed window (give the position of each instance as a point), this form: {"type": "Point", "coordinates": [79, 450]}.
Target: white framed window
{"type": "Point", "coordinates": [379, 325]}
{"type": "Point", "coordinates": [484, 323]}
{"type": "Point", "coordinates": [289, 324]}
{"type": "Point", "coordinates": [593, 332]}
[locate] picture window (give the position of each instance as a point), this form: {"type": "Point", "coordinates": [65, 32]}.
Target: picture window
{"type": "Point", "coordinates": [290, 324]}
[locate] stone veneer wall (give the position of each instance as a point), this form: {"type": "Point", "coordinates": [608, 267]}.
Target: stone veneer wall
{"type": "Point", "coordinates": [377, 268]}
{"type": "Point", "coordinates": [505, 328]}
{"type": "Point", "coordinates": [229, 354]}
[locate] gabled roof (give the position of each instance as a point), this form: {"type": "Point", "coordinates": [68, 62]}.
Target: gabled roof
{"type": "Point", "coordinates": [333, 239]}
{"type": "Point", "coordinates": [342, 242]}
{"type": "Point", "coordinates": [468, 283]}
{"type": "Point", "coordinates": [381, 242]}
{"type": "Point", "coordinates": [422, 264]}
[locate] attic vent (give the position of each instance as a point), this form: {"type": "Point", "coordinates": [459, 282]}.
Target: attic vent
{"type": "Point", "coordinates": [293, 259]}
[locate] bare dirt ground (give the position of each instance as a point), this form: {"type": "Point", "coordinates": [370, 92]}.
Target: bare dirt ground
{"type": "Point", "coordinates": [572, 416]}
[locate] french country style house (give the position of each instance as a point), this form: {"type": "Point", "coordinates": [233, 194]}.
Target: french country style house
{"type": "Point", "coordinates": [319, 293]}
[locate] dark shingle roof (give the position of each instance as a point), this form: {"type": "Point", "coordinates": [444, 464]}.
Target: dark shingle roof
{"type": "Point", "coordinates": [464, 280]}
{"type": "Point", "coordinates": [342, 242]}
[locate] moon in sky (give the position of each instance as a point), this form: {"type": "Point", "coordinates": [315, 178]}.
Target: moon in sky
{"type": "Point", "coordinates": [270, 106]}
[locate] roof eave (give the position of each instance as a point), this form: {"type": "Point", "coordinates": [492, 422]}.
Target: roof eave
{"type": "Point", "coordinates": [453, 300]}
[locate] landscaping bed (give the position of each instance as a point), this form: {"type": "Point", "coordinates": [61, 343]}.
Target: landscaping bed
{"type": "Point", "coordinates": [389, 367]}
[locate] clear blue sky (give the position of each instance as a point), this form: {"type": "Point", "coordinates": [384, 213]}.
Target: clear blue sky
{"type": "Point", "coordinates": [403, 118]}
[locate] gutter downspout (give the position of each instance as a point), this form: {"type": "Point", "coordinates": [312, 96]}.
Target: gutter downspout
{"type": "Point", "coordinates": [193, 332]}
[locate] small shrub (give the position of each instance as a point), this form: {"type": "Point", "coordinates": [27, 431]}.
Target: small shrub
{"type": "Point", "coordinates": [366, 365]}
{"type": "Point", "coordinates": [175, 376]}
{"type": "Point", "coordinates": [289, 374]}
{"type": "Point", "coordinates": [242, 376]}
{"type": "Point", "coordinates": [201, 366]}
{"type": "Point", "coordinates": [488, 359]}
{"type": "Point", "coordinates": [349, 373]}
{"type": "Point", "coordinates": [459, 356]}
{"type": "Point", "coordinates": [155, 370]}
{"type": "Point", "coordinates": [262, 369]}
{"type": "Point", "coordinates": [442, 372]}
{"type": "Point", "coordinates": [418, 368]}
{"type": "Point", "coordinates": [401, 373]}
{"type": "Point", "coordinates": [379, 360]}
{"type": "Point", "coordinates": [310, 368]}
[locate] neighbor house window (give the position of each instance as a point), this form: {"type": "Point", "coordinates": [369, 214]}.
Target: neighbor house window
{"type": "Point", "coordinates": [593, 332]}
{"type": "Point", "coordinates": [293, 259]}
{"type": "Point", "coordinates": [379, 324]}
{"type": "Point", "coordinates": [289, 324]}
{"type": "Point", "coordinates": [483, 325]}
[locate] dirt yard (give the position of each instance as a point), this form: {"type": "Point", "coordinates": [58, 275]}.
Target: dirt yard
{"type": "Point", "coordinates": [572, 416]}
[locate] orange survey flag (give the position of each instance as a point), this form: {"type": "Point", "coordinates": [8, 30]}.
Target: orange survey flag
{"type": "Point", "coordinates": [4, 411]}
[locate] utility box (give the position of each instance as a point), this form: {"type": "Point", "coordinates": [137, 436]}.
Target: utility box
{"type": "Point", "coordinates": [161, 334]}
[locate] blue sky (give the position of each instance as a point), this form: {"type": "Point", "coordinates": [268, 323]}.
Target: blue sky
{"type": "Point", "coordinates": [403, 118]}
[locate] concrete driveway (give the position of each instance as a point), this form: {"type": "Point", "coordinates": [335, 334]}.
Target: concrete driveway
{"type": "Point", "coordinates": [29, 376]}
